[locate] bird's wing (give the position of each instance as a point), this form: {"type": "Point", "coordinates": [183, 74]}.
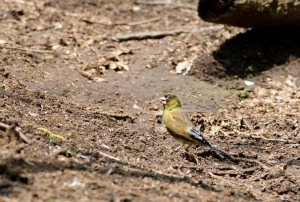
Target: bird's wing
{"type": "Point", "coordinates": [182, 128]}
{"type": "Point", "coordinates": [177, 119]}
{"type": "Point", "coordinates": [196, 135]}
{"type": "Point", "coordinates": [177, 123]}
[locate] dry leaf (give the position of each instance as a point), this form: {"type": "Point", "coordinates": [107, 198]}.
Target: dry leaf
{"type": "Point", "coordinates": [185, 65]}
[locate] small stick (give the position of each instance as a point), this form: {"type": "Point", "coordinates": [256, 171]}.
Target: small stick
{"type": "Point", "coordinates": [236, 172]}
{"type": "Point", "coordinates": [144, 21]}
{"type": "Point", "coordinates": [125, 23]}
{"type": "Point", "coordinates": [22, 136]}
{"type": "Point", "coordinates": [217, 103]}
{"type": "Point", "coordinates": [179, 5]}
{"type": "Point", "coordinates": [140, 36]}
{"type": "Point", "coordinates": [138, 22]}
{"type": "Point", "coordinates": [249, 126]}
{"type": "Point", "coordinates": [216, 85]}
{"type": "Point", "coordinates": [110, 157]}
{"type": "Point", "coordinates": [268, 139]}
{"type": "Point", "coordinates": [25, 49]}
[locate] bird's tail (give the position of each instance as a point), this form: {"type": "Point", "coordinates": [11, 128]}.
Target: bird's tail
{"type": "Point", "coordinates": [225, 154]}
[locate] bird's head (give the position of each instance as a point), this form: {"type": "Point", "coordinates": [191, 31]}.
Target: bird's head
{"type": "Point", "coordinates": [170, 101]}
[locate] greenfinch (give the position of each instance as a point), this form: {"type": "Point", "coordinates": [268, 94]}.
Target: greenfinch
{"type": "Point", "coordinates": [179, 125]}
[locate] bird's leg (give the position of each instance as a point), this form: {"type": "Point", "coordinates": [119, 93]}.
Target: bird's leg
{"type": "Point", "coordinates": [187, 149]}
{"type": "Point", "coordinates": [191, 155]}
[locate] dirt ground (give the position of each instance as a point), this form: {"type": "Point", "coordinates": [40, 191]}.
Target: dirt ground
{"type": "Point", "coordinates": [79, 104]}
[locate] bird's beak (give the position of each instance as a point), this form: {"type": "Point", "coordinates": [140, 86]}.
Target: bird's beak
{"type": "Point", "coordinates": [163, 100]}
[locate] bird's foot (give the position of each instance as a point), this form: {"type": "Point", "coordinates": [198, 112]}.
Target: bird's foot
{"type": "Point", "coordinates": [192, 157]}
{"type": "Point", "coordinates": [187, 149]}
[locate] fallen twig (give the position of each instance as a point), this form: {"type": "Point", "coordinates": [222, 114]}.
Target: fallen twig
{"type": "Point", "coordinates": [138, 22]}
{"type": "Point", "coordinates": [124, 23]}
{"type": "Point", "coordinates": [146, 35]}
{"type": "Point", "coordinates": [268, 139]}
{"type": "Point", "coordinates": [144, 21]}
{"type": "Point", "coordinates": [219, 106]}
{"type": "Point", "coordinates": [237, 172]}
{"type": "Point", "coordinates": [21, 135]}
{"type": "Point", "coordinates": [109, 156]}
{"type": "Point", "coordinates": [26, 49]}
{"type": "Point", "coordinates": [155, 35]}
{"type": "Point", "coordinates": [177, 5]}
{"type": "Point", "coordinates": [247, 124]}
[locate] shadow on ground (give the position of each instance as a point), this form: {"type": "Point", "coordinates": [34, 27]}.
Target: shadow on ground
{"type": "Point", "coordinates": [250, 53]}
{"type": "Point", "coordinates": [17, 169]}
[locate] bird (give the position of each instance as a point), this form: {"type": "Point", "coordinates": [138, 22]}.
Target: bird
{"type": "Point", "coordinates": [181, 127]}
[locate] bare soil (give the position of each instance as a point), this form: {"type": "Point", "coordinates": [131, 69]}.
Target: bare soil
{"type": "Point", "coordinates": [79, 104]}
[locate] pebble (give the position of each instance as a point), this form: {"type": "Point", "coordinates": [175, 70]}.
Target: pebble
{"type": "Point", "coordinates": [153, 107]}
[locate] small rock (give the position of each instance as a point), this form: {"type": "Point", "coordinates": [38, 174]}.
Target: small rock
{"type": "Point", "coordinates": [159, 114]}
{"type": "Point", "coordinates": [153, 107]}
{"type": "Point", "coordinates": [136, 8]}
{"type": "Point", "coordinates": [249, 83]}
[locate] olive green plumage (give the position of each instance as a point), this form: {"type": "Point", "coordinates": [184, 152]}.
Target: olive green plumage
{"type": "Point", "coordinates": [179, 125]}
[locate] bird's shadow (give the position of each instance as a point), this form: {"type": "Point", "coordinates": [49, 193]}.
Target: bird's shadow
{"type": "Point", "coordinates": [249, 54]}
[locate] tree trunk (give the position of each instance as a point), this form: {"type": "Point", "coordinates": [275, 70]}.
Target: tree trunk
{"type": "Point", "coordinates": [251, 13]}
